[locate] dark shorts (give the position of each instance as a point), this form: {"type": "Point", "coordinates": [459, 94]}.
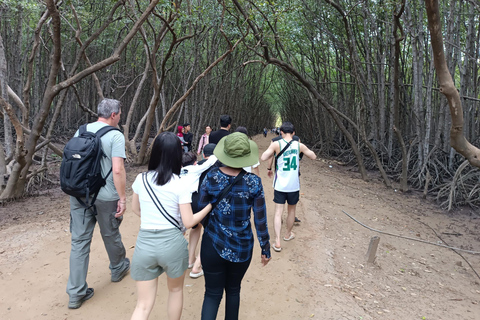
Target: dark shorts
{"type": "Point", "coordinates": [290, 197]}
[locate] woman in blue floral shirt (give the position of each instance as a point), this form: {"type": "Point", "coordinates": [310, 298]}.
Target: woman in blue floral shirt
{"type": "Point", "coordinates": [227, 243]}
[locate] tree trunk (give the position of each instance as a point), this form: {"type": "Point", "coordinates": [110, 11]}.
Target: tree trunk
{"type": "Point", "coordinates": [4, 96]}
{"type": "Point", "coordinates": [132, 148]}
{"type": "Point", "coordinates": [399, 36]}
{"type": "Point", "coordinates": [447, 87]}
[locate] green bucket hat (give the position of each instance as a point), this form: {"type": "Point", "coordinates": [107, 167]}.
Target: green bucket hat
{"type": "Point", "coordinates": [236, 151]}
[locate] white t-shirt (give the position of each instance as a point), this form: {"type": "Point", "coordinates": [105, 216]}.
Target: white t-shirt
{"type": "Point", "coordinates": [249, 168]}
{"type": "Point", "coordinates": [190, 175]}
{"type": "Point", "coordinates": [170, 195]}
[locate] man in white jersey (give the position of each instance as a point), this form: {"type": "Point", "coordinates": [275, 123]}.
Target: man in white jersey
{"type": "Point", "coordinates": [286, 183]}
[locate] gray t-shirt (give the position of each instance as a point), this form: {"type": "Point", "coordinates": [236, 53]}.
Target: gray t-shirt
{"type": "Point", "coordinates": [113, 145]}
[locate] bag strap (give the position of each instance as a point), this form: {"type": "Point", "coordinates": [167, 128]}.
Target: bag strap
{"type": "Point", "coordinates": [103, 130]}
{"type": "Point", "coordinates": [100, 133]}
{"type": "Point", "coordinates": [281, 152]}
{"type": "Point", "coordinates": [82, 129]}
{"type": "Point", "coordinates": [158, 204]}
{"type": "Point", "coordinates": [228, 188]}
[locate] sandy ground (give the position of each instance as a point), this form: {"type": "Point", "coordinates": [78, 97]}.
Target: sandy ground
{"type": "Point", "coordinates": [321, 274]}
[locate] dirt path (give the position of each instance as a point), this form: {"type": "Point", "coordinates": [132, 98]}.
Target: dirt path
{"type": "Point", "coordinates": [322, 274]}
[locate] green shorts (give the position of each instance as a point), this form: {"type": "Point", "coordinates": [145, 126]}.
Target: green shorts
{"type": "Point", "coordinates": [157, 251]}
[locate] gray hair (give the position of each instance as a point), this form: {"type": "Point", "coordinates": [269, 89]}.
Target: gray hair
{"type": "Point", "coordinates": [108, 106]}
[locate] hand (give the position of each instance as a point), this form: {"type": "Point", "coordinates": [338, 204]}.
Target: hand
{"type": "Point", "coordinates": [265, 260]}
{"type": "Point", "coordinates": [270, 173]}
{"type": "Point", "coordinates": [198, 153]}
{"type": "Point", "coordinates": [121, 207]}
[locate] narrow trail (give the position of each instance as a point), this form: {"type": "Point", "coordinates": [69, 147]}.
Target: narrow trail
{"type": "Point", "coordinates": [321, 274]}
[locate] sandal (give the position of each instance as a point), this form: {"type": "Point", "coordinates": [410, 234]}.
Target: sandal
{"type": "Point", "coordinates": [196, 275]}
{"type": "Point", "coordinates": [292, 236]}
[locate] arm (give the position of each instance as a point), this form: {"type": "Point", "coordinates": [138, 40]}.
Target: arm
{"type": "Point", "coordinates": [188, 218]}
{"type": "Point", "coordinates": [136, 204]}
{"type": "Point", "coordinates": [200, 144]}
{"type": "Point", "coordinates": [269, 166]}
{"type": "Point", "coordinates": [260, 220]}
{"type": "Point", "coordinates": [119, 180]}
{"type": "Point", "coordinates": [182, 140]}
{"type": "Point", "coordinates": [272, 148]}
{"type": "Point", "coordinates": [309, 153]}
{"type": "Point", "coordinates": [194, 172]}
{"type": "Point", "coordinates": [269, 162]}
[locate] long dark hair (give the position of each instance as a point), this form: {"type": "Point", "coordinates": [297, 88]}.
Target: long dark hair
{"type": "Point", "coordinates": [166, 157]}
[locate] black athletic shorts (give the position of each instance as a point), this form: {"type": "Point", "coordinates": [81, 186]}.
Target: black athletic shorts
{"type": "Point", "coordinates": [290, 197]}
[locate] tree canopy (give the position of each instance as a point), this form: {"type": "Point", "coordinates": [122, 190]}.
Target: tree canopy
{"type": "Point", "coordinates": [358, 80]}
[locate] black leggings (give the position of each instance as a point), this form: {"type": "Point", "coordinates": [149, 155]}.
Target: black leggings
{"type": "Point", "coordinates": [220, 275]}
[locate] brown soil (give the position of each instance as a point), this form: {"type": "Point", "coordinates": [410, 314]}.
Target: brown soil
{"type": "Point", "coordinates": [321, 274]}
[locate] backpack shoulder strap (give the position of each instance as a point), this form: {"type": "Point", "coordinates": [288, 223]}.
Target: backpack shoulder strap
{"type": "Point", "coordinates": [99, 134]}
{"type": "Point", "coordinates": [104, 130]}
{"type": "Point", "coordinates": [82, 129]}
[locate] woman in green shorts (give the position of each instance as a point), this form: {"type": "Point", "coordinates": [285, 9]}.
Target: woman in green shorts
{"type": "Point", "coordinates": [164, 207]}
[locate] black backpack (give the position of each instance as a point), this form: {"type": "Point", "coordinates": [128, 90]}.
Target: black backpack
{"type": "Point", "coordinates": [81, 170]}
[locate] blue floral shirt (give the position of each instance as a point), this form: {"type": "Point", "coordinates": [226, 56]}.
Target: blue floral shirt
{"type": "Point", "coordinates": [229, 224]}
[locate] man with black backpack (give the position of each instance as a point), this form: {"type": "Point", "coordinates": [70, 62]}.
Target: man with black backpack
{"type": "Point", "coordinates": [105, 206]}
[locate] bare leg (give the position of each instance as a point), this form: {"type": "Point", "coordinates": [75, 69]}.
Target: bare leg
{"type": "Point", "coordinates": [175, 297]}
{"type": "Point", "coordinates": [277, 223]}
{"type": "Point", "coordinates": [290, 219]}
{"type": "Point", "coordinates": [146, 292]}
{"type": "Point", "coordinates": [197, 266]}
{"type": "Point", "coordinates": [192, 243]}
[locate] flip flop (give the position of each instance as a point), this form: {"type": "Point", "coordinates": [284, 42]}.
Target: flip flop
{"type": "Point", "coordinates": [276, 249]}
{"type": "Point", "coordinates": [190, 266]}
{"type": "Point", "coordinates": [292, 236]}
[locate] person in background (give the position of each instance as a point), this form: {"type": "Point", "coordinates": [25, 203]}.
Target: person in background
{"type": "Point", "coordinates": [187, 136]}
{"type": "Point", "coordinates": [225, 125]}
{"type": "Point", "coordinates": [111, 204]}
{"type": "Point", "coordinates": [180, 136]}
{"type": "Point", "coordinates": [204, 140]}
{"type": "Point", "coordinates": [163, 204]}
{"type": "Point", "coordinates": [286, 183]}
{"type": "Point", "coordinates": [194, 261]}
{"type": "Point", "coordinates": [253, 169]}
{"type": "Point", "coordinates": [227, 243]}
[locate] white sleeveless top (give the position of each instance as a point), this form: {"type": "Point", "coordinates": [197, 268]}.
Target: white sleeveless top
{"type": "Point", "coordinates": [286, 172]}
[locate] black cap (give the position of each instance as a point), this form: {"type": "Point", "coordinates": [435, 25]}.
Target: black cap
{"type": "Point", "coordinates": [208, 149]}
